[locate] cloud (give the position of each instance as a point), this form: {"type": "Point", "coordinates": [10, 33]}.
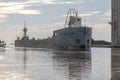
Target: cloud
{"type": "Point", "coordinates": [94, 12]}
{"type": "Point", "coordinates": [40, 1]}
{"type": "Point", "coordinates": [30, 12]}
{"type": "Point", "coordinates": [89, 13]}
{"type": "Point", "coordinates": [68, 2]}
{"type": "Point", "coordinates": [20, 8]}
{"type": "Point", "coordinates": [54, 2]}
{"type": "Point", "coordinates": [108, 13]}
{"type": "Point", "coordinates": [107, 16]}
{"type": "Point", "coordinates": [3, 18]}
{"type": "Point", "coordinates": [81, 15]}
{"type": "Point", "coordinates": [15, 8]}
{"type": "Point", "coordinates": [63, 3]}
{"type": "Point", "coordinates": [23, 7]}
{"type": "Point", "coordinates": [84, 15]}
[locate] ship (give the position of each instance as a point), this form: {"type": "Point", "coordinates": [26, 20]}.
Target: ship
{"type": "Point", "coordinates": [74, 36]}
{"type": "Point", "coordinates": [2, 44]}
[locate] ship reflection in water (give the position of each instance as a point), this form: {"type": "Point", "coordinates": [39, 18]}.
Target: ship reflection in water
{"type": "Point", "coordinates": [76, 65]}
{"type": "Point", "coordinates": [115, 64]}
{"type": "Point", "coordinates": [31, 64]}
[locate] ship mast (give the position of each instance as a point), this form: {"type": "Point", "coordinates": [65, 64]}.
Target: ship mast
{"type": "Point", "coordinates": [25, 30]}
{"type": "Point", "coordinates": [72, 18]}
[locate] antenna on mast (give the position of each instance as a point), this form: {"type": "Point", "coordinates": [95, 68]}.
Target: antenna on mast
{"type": "Point", "coordinates": [24, 24]}
{"type": "Point", "coordinates": [72, 15]}
{"type": "Point", "coordinates": [84, 22]}
{"type": "Point", "coordinates": [76, 13]}
{"type": "Point", "coordinates": [66, 18]}
{"type": "Point", "coordinates": [25, 29]}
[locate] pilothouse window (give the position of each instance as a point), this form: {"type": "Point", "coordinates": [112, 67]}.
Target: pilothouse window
{"type": "Point", "coordinates": [55, 34]}
{"type": "Point", "coordinates": [78, 19]}
{"type": "Point", "coordinates": [88, 41]}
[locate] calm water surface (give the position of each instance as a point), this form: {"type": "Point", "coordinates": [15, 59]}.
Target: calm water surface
{"type": "Point", "coordinates": [36, 64]}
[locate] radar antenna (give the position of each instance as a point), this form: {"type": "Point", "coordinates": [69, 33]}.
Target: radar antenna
{"type": "Point", "coordinates": [72, 18]}
{"type": "Point", "coordinates": [25, 29]}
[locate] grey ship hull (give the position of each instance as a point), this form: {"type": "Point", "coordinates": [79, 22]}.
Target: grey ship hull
{"type": "Point", "coordinates": [45, 43]}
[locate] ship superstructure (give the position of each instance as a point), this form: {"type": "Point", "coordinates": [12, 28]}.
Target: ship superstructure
{"type": "Point", "coordinates": [74, 36]}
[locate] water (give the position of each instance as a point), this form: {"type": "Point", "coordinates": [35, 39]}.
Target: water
{"type": "Point", "coordinates": [36, 64]}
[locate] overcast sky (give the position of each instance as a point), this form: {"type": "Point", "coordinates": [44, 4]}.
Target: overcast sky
{"type": "Point", "coordinates": [44, 16]}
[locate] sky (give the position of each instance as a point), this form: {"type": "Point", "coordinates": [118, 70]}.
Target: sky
{"type": "Point", "coordinates": [42, 17]}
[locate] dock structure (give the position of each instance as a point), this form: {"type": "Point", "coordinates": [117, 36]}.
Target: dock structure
{"type": "Point", "coordinates": [115, 23]}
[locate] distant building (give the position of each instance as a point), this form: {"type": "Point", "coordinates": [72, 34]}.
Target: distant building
{"type": "Point", "coordinates": [100, 42]}
{"type": "Point", "coordinates": [115, 23]}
